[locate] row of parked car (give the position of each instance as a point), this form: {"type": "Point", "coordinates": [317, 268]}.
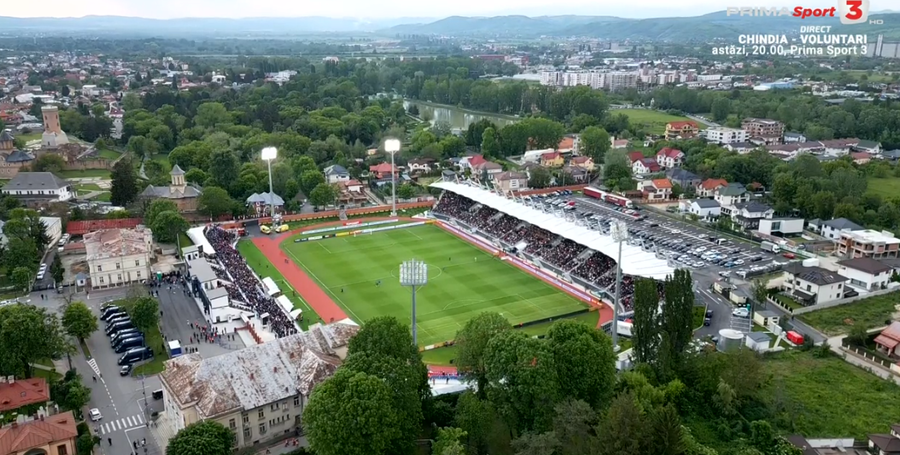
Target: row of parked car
{"type": "Point", "coordinates": [125, 338]}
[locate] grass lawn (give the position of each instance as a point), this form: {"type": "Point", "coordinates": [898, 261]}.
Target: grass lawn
{"type": "Point", "coordinates": [85, 350]}
{"type": "Point", "coordinates": [105, 196]}
{"type": "Point", "coordinates": [109, 154]}
{"type": "Point", "coordinates": [185, 240]}
{"type": "Point", "coordinates": [50, 376]}
{"type": "Point", "coordinates": [29, 137]}
{"type": "Point", "coordinates": [871, 312]}
{"type": "Point", "coordinates": [698, 314]}
{"type": "Point", "coordinates": [787, 301]}
{"type": "Point", "coordinates": [88, 187]}
{"type": "Point", "coordinates": [853, 404]}
{"type": "Point", "coordinates": [463, 280]}
{"type": "Point", "coordinates": [261, 265]}
{"type": "Point", "coordinates": [652, 120]}
{"type": "Point", "coordinates": [887, 187]}
{"type": "Point", "coordinates": [443, 356]}
{"type": "Point", "coordinates": [154, 341]}
{"type": "Point", "coordinates": [85, 173]}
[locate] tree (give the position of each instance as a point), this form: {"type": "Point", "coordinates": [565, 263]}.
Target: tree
{"type": "Point", "coordinates": [595, 142]}
{"type": "Point", "coordinates": [156, 207]}
{"type": "Point", "coordinates": [623, 429]}
{"type": "Point", "coordinates": [206, 437]}
{"type": "Point", "coordinates": [79, 321]}
{"type": "Point", "coordinates": [71, 393]}
{"type": "Point", "coordinates": [85, 444]}
{"type": "Point", "coordinates": [212, 114]}
{"type": "Point", "coordinates": [310, 179]}
{"type": "Point", "coordinates": [617, 170]}
{"type": "Point", "coordinates": [168, 225]}
{"type": "Point", "coordinates": [351, 413]}
{"type": "Point", "coordinates": [145, 313]}
{"type": "Point", "coordinates": [28, 334]}
{"type": "Point", "coordinates": [56, 270]}
{"type": "Point", "coordinates": [448, 442]}
{"type": "Point", "coordinates": [859, 334]}
{"type": "Point", "coordinates": [124, 189]}
{"type": "Point", "coordinates": [645, 328]}
{"type": "Point", "coordinates": [322, 194]}
{"type": "Point", "coordinates": [215, 202]}
{"type": "Point", "coordinates": [539, 177]}
{"type": "Point", "coordinates": [27, 224]}
{"type": "Point", "coordinates": [471, 342]}
{"type": "Point", "coordinates": [676, 326]}
{"type": "Point", "coordinates": [665, 433]}
{"type": "Point", "coordinates": [585, 362]}
{"type": "Point", "coordinates": [224, 168]}
{"type": "Point", "coordinates": [489, 145]}
{"type": "Point", "coordinates": [760, 291]}
{"type": "Point", "coordinates": [48, 163]}
{"type": "Point", "coordinates": [21, 277]}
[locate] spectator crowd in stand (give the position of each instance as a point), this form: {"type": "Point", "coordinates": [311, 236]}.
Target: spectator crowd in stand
{"type": "Point", "coordinates": [598, 269]}
{"type": "Point", "coordinates": [247, 286]}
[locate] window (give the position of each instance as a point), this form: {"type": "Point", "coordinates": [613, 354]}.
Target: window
{"type": "Point", "coordinates": [245, 419]}
{"type": "Point", "coordinates": [119, 277]}
{"type": "Point", "coordinates": [297, 400]}
{"type": "Point", "coordinates": [139, 274]}
{"type": "Point", "coordinates": [232, 424]}
{"type": "Point", "coordinates": [248, 433]}
{"type": "Point", "coordinates": [137, 263]}
{"type": "Point", "coordinates": [99, 268]}
{"type": "Point", "coordinates": [273, 407]}
{"type": "Point", "coordinates": [101, 280]}
{"type": "Point", "coordinates": [262, 429]}
{"type": "Point", "coordinates": [118, 265]}
{"type": "Point", "coordinates": [62, 450]}
{"type": "Point", "coordinates": [262, 414]}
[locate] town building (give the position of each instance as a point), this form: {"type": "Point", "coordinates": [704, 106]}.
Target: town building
{"type": "Point", "coordinates": [553, 159]}
{"type": "Point", "coordinates": [645, 166]}
{"type": "Point", "coordinates": [683, 178]}
{"type": "Point", "coordinates": [53, 135]}
{"type": "Point", "coordinates": [832, 229]}
{"type": "Point", "coordinates": [866, 273]}
{"type": "Point", "coordinates": [709, 187]}
{"type": "Point", "coordinates": [868, 243]}
{"type": "Point", "coordinates": [420, 165]}
{"type": "Point", "coordinates": [731, 195]}
{"type": "Point", "coordinates": [888, 342]}
{"type": "Point", "coordinates": [584, 162]}
{"type": "Point", "coordinates": [185, 196]}
{"type": "Point", "coordinates": [790, 138]}
{"type": "Point", "coordinates": [117, 257]}
{"type": "Point", "coordinates": [657, 189]}
{"type": "Point", "coordinates": [813, 285]}
{"type": "Point", "coordinates": [749, 214]}
{"type": "Point", "coordinates": [771, 131]}
{"type": "Point", "coordinates": [511, 181]}
{"type": "Point", "coordinates": [681, 130]}
{"type": "Point", "coordinates": [11, 160]}
{"type": "Point", "coordinates": [259, 392]}
{"type": "Point", "coordinates": [781, 227]}
{"type": "Point", "coordinates": [351, 192]}
{"type": "Point", "coordinates": [49, 435]}
{"type": "Point", "coordinates": [668, 157]}
{"type": "Point", "coordinates": [336, 173]}
{"type": "Point", "coordinates": [723, 135]}
{"type": "Point", "coordinates": [578, 174]}
{"type": "Point", "coordinates": [702, 208]}
{"type": "Point", "coordinates": [17, 394]}
{"type": "Point", "coordinates": [35, 188]}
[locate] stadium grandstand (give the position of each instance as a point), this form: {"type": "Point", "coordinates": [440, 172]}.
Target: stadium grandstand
{"type": "Point", "coordinates": [582, 255]}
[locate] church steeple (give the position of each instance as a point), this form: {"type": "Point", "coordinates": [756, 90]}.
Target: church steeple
{"type": "Point", "coordinates": [177, 176]}
{"type": "Point", "coordinates": [6, 141]}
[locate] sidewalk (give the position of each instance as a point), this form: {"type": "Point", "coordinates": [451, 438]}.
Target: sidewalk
{"type": "Point", "coordinates": [280, 449]}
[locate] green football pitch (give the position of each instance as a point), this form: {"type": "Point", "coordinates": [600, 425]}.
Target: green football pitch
{"type": "Point", "coordinates": [462, 280]}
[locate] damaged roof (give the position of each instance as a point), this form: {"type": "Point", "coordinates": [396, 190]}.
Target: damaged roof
{"type": "Point", "coordinates": [260, 374]}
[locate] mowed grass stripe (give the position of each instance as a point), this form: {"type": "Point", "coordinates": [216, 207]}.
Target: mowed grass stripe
{"type": "Point", "coordinates": [463, 280]}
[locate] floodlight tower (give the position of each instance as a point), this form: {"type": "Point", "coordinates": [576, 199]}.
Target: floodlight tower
{"type": "Point", "coordinates": [392, 146]}
{"type": "Point", "coordinates": [269, 154]}
{"type": "Point", "coordinates": [619, 232]}
{"type": "Point", "coordinates": [414, 274]}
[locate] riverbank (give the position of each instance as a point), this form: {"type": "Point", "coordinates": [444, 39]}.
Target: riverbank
{"type": "Point", "coordinates": [459, 117]}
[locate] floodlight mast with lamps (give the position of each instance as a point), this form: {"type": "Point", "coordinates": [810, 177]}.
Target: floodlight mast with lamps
{"type": "Point", "coordinates": [414, 274]}
{"type": "Point", "coordinates": [269, 154]}
{"type": "Point", "coordinates": [392, 146]}
{"type": "Point", "coordinates": [619, 233]}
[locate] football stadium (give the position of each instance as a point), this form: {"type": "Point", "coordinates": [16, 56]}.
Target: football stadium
{"type": "Point", "coordinates": [484, 252]}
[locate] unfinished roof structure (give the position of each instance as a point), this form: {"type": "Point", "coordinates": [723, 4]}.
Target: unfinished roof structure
{"type": "Point", "coordinates": [113, 243]}
{"type": "Point", "coordinates": [260, 374]}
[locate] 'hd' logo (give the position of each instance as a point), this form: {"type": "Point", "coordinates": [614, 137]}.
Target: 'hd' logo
{"type": "Point", "coordinates": [853, 11]}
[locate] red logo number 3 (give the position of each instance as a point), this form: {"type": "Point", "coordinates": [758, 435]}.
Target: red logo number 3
{"type": "Point", "coordinates": [855, 11]}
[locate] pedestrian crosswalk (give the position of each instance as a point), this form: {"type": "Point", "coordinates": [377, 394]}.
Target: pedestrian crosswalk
{"type": "Point", "coordinates": [121, 424]}
{"type": "Point", "coordinates": [93, 364]}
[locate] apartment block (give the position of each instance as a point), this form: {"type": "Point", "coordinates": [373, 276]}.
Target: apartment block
{"type": "Point", "coordinates": [763, 128]}
{"type": "Point", "coordinates": [722, 135]}
{"type": "Point", "coordinates": [869, 243]}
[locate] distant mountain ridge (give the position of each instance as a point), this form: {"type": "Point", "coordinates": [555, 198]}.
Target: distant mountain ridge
{"type": "Point", "coordinates": [685, 29]}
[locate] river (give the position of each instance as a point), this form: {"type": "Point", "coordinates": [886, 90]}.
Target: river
{"type": "Point", "coordinates": [459, 119]}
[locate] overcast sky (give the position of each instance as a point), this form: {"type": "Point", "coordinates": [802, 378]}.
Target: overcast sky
{"type": "Point", "coordinates": [363, 9]}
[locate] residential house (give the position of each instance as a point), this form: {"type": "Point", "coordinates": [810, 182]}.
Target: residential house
{"type": "Point", "coordinates": [118, 257]}
{"type": "Point", "coordinates": [657, 189]}
{"type": "Point", "coordinates": [891, 155]}
{"type": "Point", "coordinates": [669, 157]}
{"type": "Point", "coordinates": [885, 444]}
{"type": "Point", "coordinates": [723, 135]}
{"type": "Point", "coordinates": [259, 392]}
{"type": "Point", "coordinates": [709, 187]}
{"type": "Point", "coordinates": [584, 162]}
{"type": "Point", "coordinates": [731, 195]}
{"type": "Point", "coordinates": [186, 197]}
{"type": "Point", "coordinates": [569, 144]}
{"type": "Point", "coordinates": [814, 225]}
{"type": "Point", "coordinates": [511, 181]}
{"type": "Point", "coordinates": [487, 167]}
{"type": "Point", "coordinates": [50, 435]}
{"type": "Point", "coordinates": [838, 147]}
{"type": "Point", "coordinates": [866, 273]}
{"type": "Point", "coordinates": [469, 161]}
{"type": "Point", "coordinates": [38, 187]}
{"type": "Point", "coordinates": [770, 131]}
{"type": "Point", "coordinates": [534, 156]}
{"type": "Point", "coordinates": [580, 175]}
{"type": "Point", "coordinates": [781, 227]}
{"type": "Point", "coordinates": [681, 130]}
{"type": "Point", "coordinates": [351, 192]}
{"type": "Point", "coordinates": [702, 208]}
{"type": "Point", "coordinates": [683, 178]}
{"type": "Point", "coordinates": [868, 243]}
{"type": "Point", "coordinates": [813, 285]}
{"type": "Point", "coordinates": [20, 393]}
{"type": "Point", "coordinates": [860, 158]}
{"type": "Point", "coordinates": [635, 156]}
{"type": "Point", "coordinates": [741, 147]}
{"type": "Point", "coordinates": [790, 138]}
{"type": "Point", "coordinates": [423, 165]}
{"type": "Point", "coordinates": [748, 214]}
{"type": "Point", "coordinates": [645, 166]}
{"type": "Point", "coordinates": [888, 342]}
{"type": "Point", "coordinates": [832, 229]}
{"type": "Point", "coordinates": [870, 147]}
{"type": "Point", "coordinates": [554, 159]}
{"type": "Point", "coordinates": [383, 170]}
{"type": "Point", "coordinates": [336, 173]}
{"type": "Point", "coordinates": [618, 143]}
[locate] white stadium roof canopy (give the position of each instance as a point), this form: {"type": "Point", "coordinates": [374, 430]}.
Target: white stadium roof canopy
{"type": "Point", "coordinates": [635, 261]}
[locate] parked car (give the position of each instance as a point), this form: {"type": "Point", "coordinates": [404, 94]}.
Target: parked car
{"type": "Point", "coordinates": [95, 415]}
{"type": "Point", "coordinates": [741, 313]}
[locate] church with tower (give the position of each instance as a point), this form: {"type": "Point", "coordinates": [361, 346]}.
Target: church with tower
{"type": "Point", "coordinates": [53, 135]}
{"type": "Point", "coordinates": [11, 160]}
{"type": "Point", "coordinates": [184, 196]}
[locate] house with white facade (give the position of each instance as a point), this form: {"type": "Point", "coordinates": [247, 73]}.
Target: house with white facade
{"type": "Point", "coordinates": [723, 135]}
{"type": "Point", "coordinates": [813, 285]}
{"type": "Point", "coordinates": [703, 208]}
{"type": "Point", "coordinates": [336, 173]}
{"type": "Point", "coordinates": [657, 189]}
{"type": "Point", "coordinates": [709, 187]}
{"type": "Point", "coordinates": [866, 273]}
{"type": "Point", "coordinates": [38, 187]}
{"type": "Point", "coordinates": [645, 166]}
{"type": "Point", "coordinates": [733, 194]}
{"type": "Point", "coordinates": [748, 214]}
{"type": "Point", "coordinates": [669, 158]}
{"type": "Point", "coordinates": [832, 229]}
{"type": "Point", "coordinates": [117, 257]}
{"type": "Point", "coordinates": [420, 165]}
{"type": "Point", "coordinates": [781, 227]}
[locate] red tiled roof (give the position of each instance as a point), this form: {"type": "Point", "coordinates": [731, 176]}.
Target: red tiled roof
{"type": "Point", "coordinates": [567, 143]}
{"type": "Point", "coordinates": [476, 160]}
{"type": "Point", "coordinates": [550, 156]}
{"type": "Point", "coordinates": [381, 168]}
{"type": "Point", "coordinates": [23, 392]}
{"type": "Point", "coordinates": [635, 156]}
{"type": "Point", "coordinates": [711, 184]}
{"type": "Point", "coordinates": [889, 337]}
{"type": "Point", "coordinates": [682, 124]}
{"type": "Point", "coordinates": [662, 184]}
{"type": "Point", "coordinates": [19, 438]}
{"type": "Point", "coordinates": [581, 159]}
{"type": "Point", "coordinates": [83, 227]}
{"type": "Point", "coordinates": [670, 152]}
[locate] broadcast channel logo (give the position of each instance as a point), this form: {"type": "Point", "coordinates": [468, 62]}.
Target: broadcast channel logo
{"type": "Point", "coordinates": [854, 11]}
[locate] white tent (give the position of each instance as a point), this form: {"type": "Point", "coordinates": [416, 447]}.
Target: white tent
{"type": "Point", "coordinates": [196, 236]}
{"type": "Point", "coordinates": [271, 287]}
{"type": "Point", "coordinates": [285, 303]}
{"type": "Point", "coordinates": [296, 313]}
{"type": "Point", "coordinates": [635, 261]}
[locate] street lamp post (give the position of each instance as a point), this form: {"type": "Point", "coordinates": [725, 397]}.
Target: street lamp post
{"type": "Point", "coordinates": [269, 154]}
{"type": "Point", "coordinates": [413, 274]}
{"type": "Point", "coordinates": [392, 146]}
{"type": "Point", "coordinates": [619, 232]}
